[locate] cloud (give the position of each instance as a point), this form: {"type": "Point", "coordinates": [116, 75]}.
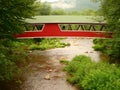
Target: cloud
{"type": "Point", "coordinates": [62, 4]}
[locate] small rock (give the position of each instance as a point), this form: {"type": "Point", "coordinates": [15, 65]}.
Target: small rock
{"type": "Point", "coordinates": [86, 52]}
{"type": "Point", "coordinates": [50, 70]}
{"type": "Point", "coordinates": [91, 52]}
{"type": "Point", "coordinates": [47, 77]}
{"type": "Point", "coordinates": [76, 44]}
{"type": "Point", "coordinates": [62, 58]}
{"type": "Point", "coordinates": [29, 51]}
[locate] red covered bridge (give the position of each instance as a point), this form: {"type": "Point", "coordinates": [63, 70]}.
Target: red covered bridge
{"type": "Point", "coordinates": [63, 26]}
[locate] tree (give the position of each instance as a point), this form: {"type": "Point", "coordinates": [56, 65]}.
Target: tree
{"type": "Point", "coordinates": [111, 11]}
{"type": "Point", "coordinates": [91, 12]}
{"type": "Point", "coordinates": [58, 12]}
{"type": "Point", "coordinates": [12, 16]}
{"type": "Point", "coordinates": [74, 13]}
{"type": "Point", "coordinates": [44, 9]}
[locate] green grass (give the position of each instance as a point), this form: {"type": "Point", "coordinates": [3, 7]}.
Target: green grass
{"type": "Point", "coordinates": [89, 75]}
{"type": "Point", "coordinates": [48, 43]}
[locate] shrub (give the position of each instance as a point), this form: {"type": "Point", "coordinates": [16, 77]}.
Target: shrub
{"type": "Point", "coordinates": [78, 67]}
{"type": "Point", "coordinates": [97, 41]}
{"type": "Point", "coordinates": [99, 44]}
{"type": "Point", "coordinates": [11, 54]}
{"type": "Point", "coordinates": [34, 47]}
{"type": "Point", "coordinates": [89, 75]}
{"type": "Point", "coordinates": [98, 47]}
{"type": "Point", "coordinates": [104, 77]}
{"type": "Point", "coordinates": [48, 43]}
{"type": "Point", "coordinates": [7, 68]}
{"type": "Point", "coordinates": [107, 47]}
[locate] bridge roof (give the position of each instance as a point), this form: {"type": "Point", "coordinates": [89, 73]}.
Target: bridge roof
{"type": "Point", "coordinates": [62, 19]}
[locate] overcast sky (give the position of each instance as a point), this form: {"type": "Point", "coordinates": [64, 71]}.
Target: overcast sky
{"type": "Point", "coordinates": [49, 0]}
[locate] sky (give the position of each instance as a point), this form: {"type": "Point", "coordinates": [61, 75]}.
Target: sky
{"type": "Point", "coordinates": [67, 5]}
{"type": "Point", "coordinates": [49, 0]}
{"type": "Point", "coordinates": [59, 4]}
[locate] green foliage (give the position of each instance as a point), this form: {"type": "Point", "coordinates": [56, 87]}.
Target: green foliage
{"type": "Point", "coordinates": [7, 68]}
{"type": "Point", "coordinates": [110, 11]}
{"type": "Point", "coordinates": [58, 12]}
{"type": "Point", "coordinates": [11, 55]}
{"type": "Point", "coordinates": [103, 45]}
{"type": "Point", "coordinates": [107, 47]}
{"type": "Point", "coordinates": [97, 41]}
{"type": "Point", "coordinates": [43, 8]}
{"type": "Point", "coordinates": [13, 13]}
{"type": "Point", "coordinates": [73, 13]}
{"type": "Point", "coordinates": [98, 47]}
{"type": "Point", "coordinates": [102, 78]}
{"type": "Point", "coordinates": [77, 68]}
{"type": "Point", "coordinates": [88, 75]}
{"type": "Point", "coordinates": [37, 47]}
{"type": "Point", "coordinates": [48, 43]}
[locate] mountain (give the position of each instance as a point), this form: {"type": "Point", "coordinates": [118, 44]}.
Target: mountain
{"type": "Point", "coordinates": [76, 5]}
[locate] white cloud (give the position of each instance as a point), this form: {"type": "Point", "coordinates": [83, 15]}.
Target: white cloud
{"type": "Point", "coordinates": [63, 4]}
{"type": "Point", "coordinates": [60, 3]}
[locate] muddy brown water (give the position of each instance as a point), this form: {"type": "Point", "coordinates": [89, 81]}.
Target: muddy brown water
{"type": "Point", "coordinates": [46, 71]}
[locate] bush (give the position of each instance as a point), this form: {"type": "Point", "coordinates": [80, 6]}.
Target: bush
{"type": "Point", "coordinates": [48, 43]}
{"type": "Point", "coordinates": [7, 68]}
{"type": "Point", "coordinates": [89, 75]}
{"type": "Point", "coordinates": [78, 67]}
{"type": "Point", "coordinates": [34, 47]}
{"type": "Point", "coordinates": [98, 41]}
{"type": "Point", "coordinates": [11, 55]}
{"type": "Point", "coordinates": [98, 47]}
{"type": "Point", "coordinates": [104, 77]}
{"type": "Point", "coordinates": [107, 47]}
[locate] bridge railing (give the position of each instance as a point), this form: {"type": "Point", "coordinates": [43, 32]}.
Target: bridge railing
{"type": "Point", "coordinates": [58, 29]}
{"type": "Point", "coordinates": [69, 26]}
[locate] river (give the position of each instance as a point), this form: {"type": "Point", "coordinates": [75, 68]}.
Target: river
{"type": "Point", "coordinates": [46, 71]}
